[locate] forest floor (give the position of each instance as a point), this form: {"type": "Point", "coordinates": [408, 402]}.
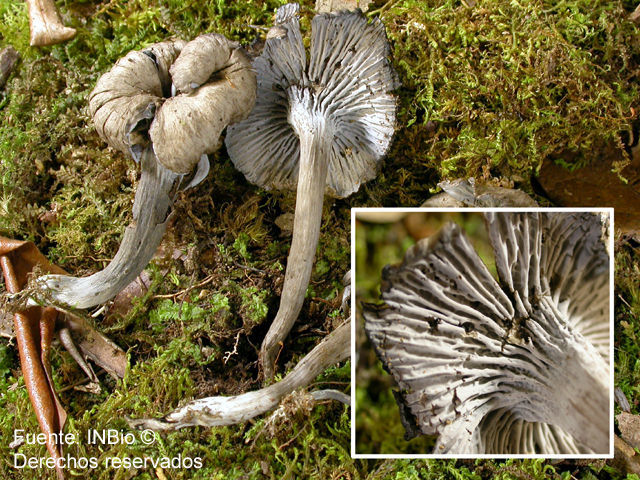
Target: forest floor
{"type": "Point", "coordinates": [490, 89]}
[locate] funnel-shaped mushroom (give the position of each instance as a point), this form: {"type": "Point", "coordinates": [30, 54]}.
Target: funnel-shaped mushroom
{"type": "Point", "coordinates": [320, 126]}
{"type": "Point", "coordinates": [166, 106]}
{"type": "Point", "coordinates": [515, 367]}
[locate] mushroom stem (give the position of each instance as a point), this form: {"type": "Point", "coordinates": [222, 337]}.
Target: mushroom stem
{"type": "Point", "coordinates": [220, 411]}
{"type": "Point", "coordinates": [578, 387]}
{"type": "Point", "coordinates": [45, 24]}
{"type": "Point", "coordinates": [312, 175]}
{"type": "Point", "coordinates": [139, 243]}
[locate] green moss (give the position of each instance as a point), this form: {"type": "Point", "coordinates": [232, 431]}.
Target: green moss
{"type": "Point", "coordinates": [627, 322]}
{"type": "Point", "coordinates": [490, 91]}
{"type": "Point", "coordinates": [496, 89]}
{"type": "Point", "coordinates": [241, 244]}
{"type": "Point", "coordinates": [253, 304]}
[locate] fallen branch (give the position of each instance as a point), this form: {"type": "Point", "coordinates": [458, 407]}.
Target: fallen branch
{"type": "Point", "coordinates": [337, 395]}
{"type": "Point", "coordinates": [220, 411]}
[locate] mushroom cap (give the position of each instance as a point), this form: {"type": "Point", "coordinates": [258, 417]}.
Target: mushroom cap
{"type": "Point", "coordinates": [132, 105]}
{"type": "Point", "coordinates": [346, 82]}
{"type": "Point", "coordinates": [479, 362]}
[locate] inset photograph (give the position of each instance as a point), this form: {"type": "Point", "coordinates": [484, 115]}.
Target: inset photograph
{"type": "Point", "coordinates": [483, 333]}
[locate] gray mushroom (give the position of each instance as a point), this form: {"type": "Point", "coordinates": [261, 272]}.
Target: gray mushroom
{"type": "Point", "coordinates": [8, 59]}
{"type": "Point", "coordinates": [166, 106]}
{"type": "Point", "coordinates": [515, 367]}
{"type": "Point", "coordinates": [319, 126]}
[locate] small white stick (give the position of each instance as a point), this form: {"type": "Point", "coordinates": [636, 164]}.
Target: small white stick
{"type": "Point", "coordinates": [220, 411]}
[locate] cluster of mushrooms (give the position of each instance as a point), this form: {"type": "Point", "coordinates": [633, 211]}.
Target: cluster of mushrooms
{"type": "Point", "coordinates": [517, 365]}
{"type": "Point", "coordinates": [320, 125]}
{"type": "Point", "coordinates": [508, 366]}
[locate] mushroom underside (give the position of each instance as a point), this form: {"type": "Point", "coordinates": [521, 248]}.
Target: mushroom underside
{"type": "Point", "coordinates": [319, 126]}
{"type": "Point", "coordinates": [501, 367]}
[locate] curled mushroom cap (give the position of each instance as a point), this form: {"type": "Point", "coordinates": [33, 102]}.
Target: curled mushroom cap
{"type": "Point", "coordinates": [319, 126]}
{"type": "Point", "coordinates": [510, 367]}
{"type": "Point", "coordinates": [132, 104]}
{"type": "Point", "coordinates": [166, 106]}
{"type": "Point", "coordinates": [465, 191]}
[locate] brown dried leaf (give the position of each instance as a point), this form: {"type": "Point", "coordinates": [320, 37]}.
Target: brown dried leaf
{"type": "Point", "coordinates": [95, 346]}
{"type": "Point", "coordinates": [34, 329]}
{"type": "Point", "coordinates": [596, 186]}
{"type": "Point", "coordinates": [123, 301]}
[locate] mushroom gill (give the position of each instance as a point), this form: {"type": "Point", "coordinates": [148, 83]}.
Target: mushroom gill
{"type": "Point", "coordinates": [320, 125]}
{"type": "Point", "coordinates": [514, 366]}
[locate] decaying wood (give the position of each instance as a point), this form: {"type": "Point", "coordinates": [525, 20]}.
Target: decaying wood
{"type": "Point", "coordinates": [495, 367]}
{"type": "Point", "coordinates": [635, 15]}
{"type": "Point", "coordinates": [45, 24]}
{"type": "Point", "coordinates": [629, 425]}
{"type": "Point", "coordinates": [596, 185]}
{"type": "Point", "coordinates": [8, 59]}
{"type": "Point", "coordinates": [625, 458]}
{"type": "Point", "coordinates": [328, 394]}
{"type": "Point", "coordinates": [219, 411]}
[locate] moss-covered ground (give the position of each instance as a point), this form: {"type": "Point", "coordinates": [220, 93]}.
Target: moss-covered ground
{"type": "Point", "coordinates": [489, 89]}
